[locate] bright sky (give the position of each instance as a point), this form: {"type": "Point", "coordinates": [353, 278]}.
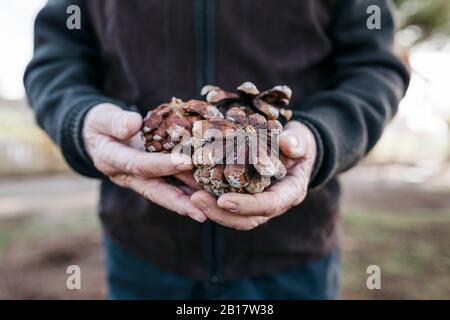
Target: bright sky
{"type": "Point", "coordinates": [16, 39]}
{"type": "Point", "coordinates": [428, 100]}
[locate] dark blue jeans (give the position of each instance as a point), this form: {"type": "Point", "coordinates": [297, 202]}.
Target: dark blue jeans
{"type": "Point", "coordinates": [131, 277]}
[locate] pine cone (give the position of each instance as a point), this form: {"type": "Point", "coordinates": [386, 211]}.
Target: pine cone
{"type": "Point", "coordinates": [271, 103]}
{"type": "Point", "coordinates": [233, 136]}
{"type": "Point", "coordinates": [171, 123]}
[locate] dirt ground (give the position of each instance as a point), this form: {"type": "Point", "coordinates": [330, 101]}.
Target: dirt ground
{"type": "Point", "coordinates": [49, 223]}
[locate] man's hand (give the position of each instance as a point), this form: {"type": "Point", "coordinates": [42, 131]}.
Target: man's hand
{"type": "Point", "coordinates": [247, 211]}
{"type": "Point", "coordinates": [112, 140]}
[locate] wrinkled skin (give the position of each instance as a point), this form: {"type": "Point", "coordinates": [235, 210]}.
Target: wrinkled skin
{"type": "Point", "coordinates": [112, 140]}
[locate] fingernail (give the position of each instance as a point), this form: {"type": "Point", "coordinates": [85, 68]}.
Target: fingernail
{"type": "Point", "coordinates": [123, 126]}
{"type": "Point", "coordinates": [293, 142]}
{"type": "Point", "coordinates": [181, 161]}
{"type": "Point", "coordinates": [184, 166]}
{"type": "Point", "coordinates": [197, 217]}
{"type": "Point", "coordinates": [230, 206]}
{"type": "Point", "coordinates": [201, 206]}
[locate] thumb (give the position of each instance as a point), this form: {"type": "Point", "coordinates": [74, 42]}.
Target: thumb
{"type": "Point", "coordinates": [126, 124]}
{"type": "Point", "coordinates": [111, 120]}
{"type": "Point", "coordinates": [294, 140]}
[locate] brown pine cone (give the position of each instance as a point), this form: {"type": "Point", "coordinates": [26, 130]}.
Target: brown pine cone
{"type": "Point", "coordinates": [171, 123]}
{"type": "Point", "coordinates": [237, 152]}
{"type": "Point", "coordinates": [271, 103]}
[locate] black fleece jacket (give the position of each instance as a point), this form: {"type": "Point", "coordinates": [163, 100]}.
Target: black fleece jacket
{"type": "Point", "coordinates": [346, 82]}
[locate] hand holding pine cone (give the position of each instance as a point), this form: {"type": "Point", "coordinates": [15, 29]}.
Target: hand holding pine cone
{"type": "Point", "coordinates": [233, 136]}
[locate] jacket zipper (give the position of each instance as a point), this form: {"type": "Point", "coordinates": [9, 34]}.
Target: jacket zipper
{"type": "Point", "coordinates": [204, 43]}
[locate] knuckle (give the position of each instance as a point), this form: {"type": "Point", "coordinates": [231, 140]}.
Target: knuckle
{"type": "Point", "coordinates": [262, 220]}
{"type": "Point", "coordinates": [181, 212]}
{"type": "Point", "coordinates": [251, 223]}
{"type": "Point", "coordinates": [265, 209]}
{"type": "Point", "coordinates": [88, 135]}
{"type": "Point", "coordinates": [123, 180]}
{"type": "Point", "coordinates": [115, 179]}
{"type": "Point", "coordinates": [93, 117]}
{"type": "Point", "coordinates": [90, 118]}
{"type": "Point", "coordinates": [254, 223]}
{"type": "Point", "coordinates": [130, 167]}
{"type": "Point", "coordinates": [114, 160]}
{"type": "Point", "coordinates": [300, 194]}
{"type": "Point", "coordinates": [99, 164]}
{"type": "Point", "coordinates": [113, 125]}
{"type": "Point", "coordinates": [244, 227]}
{"type": "Point", "coordinates": [127, 181]}
{"type": "Point", "coordinates": [301, 197]}
{"type": "Point", "coordinates": [270, 210]}
{"type": "Point", "coordinates": [146, 193]}
{"type": "Point", "coordinates": [277, 207]}
{"type": "Point", "coordinates": [102, 166]}
{"type": "Point", "coordinates": [144, 169]}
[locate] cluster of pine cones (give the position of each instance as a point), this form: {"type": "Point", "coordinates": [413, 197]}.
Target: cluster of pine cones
{"type": "Point", "coordinates": [232, 137]}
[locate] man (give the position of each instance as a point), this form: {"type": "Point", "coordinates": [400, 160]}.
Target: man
{"type": "Point", "coordinates": [91, 86]}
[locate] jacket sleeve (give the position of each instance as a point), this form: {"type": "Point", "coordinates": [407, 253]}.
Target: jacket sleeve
{"type": "Point", "coordinates": [62, 80]}
{"type": "Point", "coordinates": [367, 83]}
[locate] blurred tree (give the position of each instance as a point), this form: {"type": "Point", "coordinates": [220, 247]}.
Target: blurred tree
{"type": "Point", "coordinates": [431, 17]}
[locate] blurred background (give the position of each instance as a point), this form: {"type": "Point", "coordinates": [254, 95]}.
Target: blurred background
{"type": "Point", "coordinates": [396, 204]}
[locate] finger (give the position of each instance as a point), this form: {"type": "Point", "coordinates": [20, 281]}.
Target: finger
{"type": "Point", "coordinates": [188, 191]}
{"type": "Point", "coordinates": [122, 159]}
{"type": "Point", "coordinates": [275, 200]}
{"type": "Point", "coordinates": [208, 205]}
{"type": "Point", "coordinates": [163, 194]}
{"type": "Point", "coordinates": [136, 142]}
{"type": "Point", "coordinates": [258, 204]}
{"type": "Point", "coordinates": [180, 185]}
{"type": "Point", "coordinates": [187, 178]}
{"type": "Point", "coordinates": [288, 162]}
{"type": "Point", "coordinates": [113, 121]}
{"type": "Point", "coordinates": [294, 187]}
{"type": "Point", "coordinates": [294, 140]}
